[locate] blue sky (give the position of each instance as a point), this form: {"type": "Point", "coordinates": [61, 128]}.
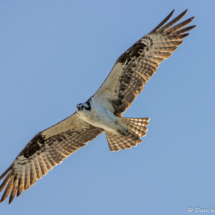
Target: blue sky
{"type": "Point", "coordinates": [56, 54]}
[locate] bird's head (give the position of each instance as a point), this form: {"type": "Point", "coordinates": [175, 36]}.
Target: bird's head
{"type": "Point", "coordinates": [83, 106]}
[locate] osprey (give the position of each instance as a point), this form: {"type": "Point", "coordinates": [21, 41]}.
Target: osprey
{"type": "Point", "coordinates": [101, 113]}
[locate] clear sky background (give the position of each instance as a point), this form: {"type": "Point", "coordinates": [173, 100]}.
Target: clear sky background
{"type": "Point", "coordinates": [56, 54]}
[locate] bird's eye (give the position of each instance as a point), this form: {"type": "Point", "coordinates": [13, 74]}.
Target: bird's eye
{"type": "Point", "coordinates": [87, 106]}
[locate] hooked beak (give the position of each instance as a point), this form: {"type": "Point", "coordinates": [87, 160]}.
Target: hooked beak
{"type": "Point", "coordinates": [79, 107]}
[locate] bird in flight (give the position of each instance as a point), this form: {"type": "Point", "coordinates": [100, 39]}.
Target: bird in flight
{"type": "Point", "coordinates": [100, 113]}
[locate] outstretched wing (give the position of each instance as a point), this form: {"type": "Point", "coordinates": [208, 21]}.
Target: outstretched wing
{"type": "Point", "coordinates": [47, 149]}
{"type": "Point", "coordinates": [134, 68]}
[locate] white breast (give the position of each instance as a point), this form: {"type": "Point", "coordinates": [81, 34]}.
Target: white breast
{"type": "Point", "coordinates": [100, 117]}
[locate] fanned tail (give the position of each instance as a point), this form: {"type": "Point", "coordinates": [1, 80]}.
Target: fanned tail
{"type": "Point", "coordinates": [136, 129]}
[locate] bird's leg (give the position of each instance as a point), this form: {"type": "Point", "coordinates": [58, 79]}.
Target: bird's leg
{"type": "Point", "coordinates": [121, 130]}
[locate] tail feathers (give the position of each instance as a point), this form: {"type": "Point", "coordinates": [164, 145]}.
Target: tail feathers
{"type": "Point", "coordinates": [117, 142]}
{"type": "Point", "coordinates": [137, 125]}
{"type": "Point", "coordinates": [136, 129]}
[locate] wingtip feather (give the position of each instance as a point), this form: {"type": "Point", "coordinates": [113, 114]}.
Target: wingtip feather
{"type": "Point", "coordinates": [5, 172]}
{"type": "Point", "coordinates": [172, 12]}
{"type": "Point", "coordinates": [171, 23]}
{"type": "Point", "coordinates": [7, 189]}
{"type": "Point", "coordinates": [163, 22]}
{"type": "Point", "coordinates": [13, 192]}
{"type": "Point", "coordinates": [193, 26]}
{"type": "Point", "coordinates": [185, 11]}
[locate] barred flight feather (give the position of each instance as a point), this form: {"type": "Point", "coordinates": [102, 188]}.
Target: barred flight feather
{"type": "Point", "coordinates": [42, 154]}
{"type": "Point", "coordinates": [141, 61]}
